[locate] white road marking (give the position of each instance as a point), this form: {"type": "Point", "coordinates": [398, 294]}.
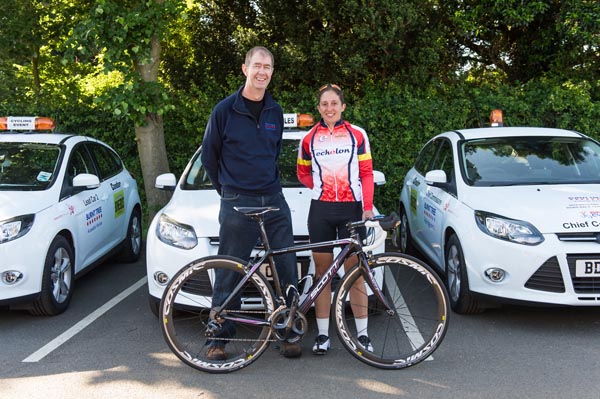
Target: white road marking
{"type": "Point", "coordinates": [414, 335]}
{"type": "Point", "coordinates": [89, 319]}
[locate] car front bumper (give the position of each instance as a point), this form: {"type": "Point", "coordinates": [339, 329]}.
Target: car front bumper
{"type": "Point", "coordinates": [543, 273]}
{"type": "Point", "coordinates": [25, 256]}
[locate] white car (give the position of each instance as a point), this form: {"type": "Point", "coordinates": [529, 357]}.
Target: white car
{"type": "Point", "coordinates": [66, 202]}
{"type": "Point", "coordinates": [508, 214]}
{"type": "Point", "coordinates": [187, 228]}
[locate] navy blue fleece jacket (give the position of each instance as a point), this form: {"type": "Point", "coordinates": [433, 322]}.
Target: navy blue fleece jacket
{"type": "Point", "coordinates": [240, 153]}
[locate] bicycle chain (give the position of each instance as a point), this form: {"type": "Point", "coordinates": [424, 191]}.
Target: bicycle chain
{"type": "Point", "coordinates": [247, 339]}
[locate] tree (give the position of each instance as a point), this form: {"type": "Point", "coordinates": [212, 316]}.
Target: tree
{"type": "Point", "coordinates": [125, 37]}
{"type": "Point", "coordinates": [524, 39]}
{"type": "Point", "coordinates": [32, 34]}
{"type": "Point", "coordinates": [350, 42]}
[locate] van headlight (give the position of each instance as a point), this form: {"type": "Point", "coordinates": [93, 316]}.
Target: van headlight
{"type": "Point", "coordinates": [11, 229]}
{"type": "Point", "coordinates": [176, 234]}
{"type": "Point", "coordinates": [517, 231]}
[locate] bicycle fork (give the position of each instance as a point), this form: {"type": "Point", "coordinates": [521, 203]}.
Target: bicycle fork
{"type": "Point", "coordinates": [368, 275]}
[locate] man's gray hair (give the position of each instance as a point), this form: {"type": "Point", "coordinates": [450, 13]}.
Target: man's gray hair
{"type": "Point", "coordinates": [259, 49]}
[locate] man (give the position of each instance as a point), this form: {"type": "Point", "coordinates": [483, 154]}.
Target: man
{"type": "Point", "coordinates": [240, 149]}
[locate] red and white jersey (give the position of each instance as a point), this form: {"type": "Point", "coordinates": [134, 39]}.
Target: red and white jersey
{"type": "Point", "coordinates": [337, 164]}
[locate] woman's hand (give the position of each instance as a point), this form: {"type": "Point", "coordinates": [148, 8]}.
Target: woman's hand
{"type": "Point", "coordinates": [368, 215]}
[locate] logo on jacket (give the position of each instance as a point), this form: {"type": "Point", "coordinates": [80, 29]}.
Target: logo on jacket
{"type": "Point", "coordinates": [331, 151]}
{"type": "Point", "coordinates": [270, 126]}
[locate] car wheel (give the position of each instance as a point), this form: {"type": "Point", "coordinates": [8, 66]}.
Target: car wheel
{"type": "Point", "coordinates": [57, 280]}
{"type": "Point", "coordinates": [404, 240]}
{"type": "Point", "coordinates": [457, 282]}
{"type": "Point", "coordinates": [132, 247]}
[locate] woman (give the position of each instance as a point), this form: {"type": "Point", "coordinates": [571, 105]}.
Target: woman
{"type": "Point", "coordinates": [334, 160]}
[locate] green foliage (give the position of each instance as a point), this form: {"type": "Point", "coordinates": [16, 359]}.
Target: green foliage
{"type": "Point", "coordinates": [409, 69]}
{"type": "Point", "coordinates": [525, 38]}
{"type": "Point", "coordinates": [122, 33]}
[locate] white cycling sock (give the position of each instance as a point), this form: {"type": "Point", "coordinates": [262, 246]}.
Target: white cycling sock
{"type": "Point", "coordinates": [323, 326]}
{"type": "Point", "coordinates": [361, 326]}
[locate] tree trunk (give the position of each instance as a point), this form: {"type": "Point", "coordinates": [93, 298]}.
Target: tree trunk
{"type": "Point", "coordinates": [151, 139]}
{"type": "Point", "coordinates": [153, 159]}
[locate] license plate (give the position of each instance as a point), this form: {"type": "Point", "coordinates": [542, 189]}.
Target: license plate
{"type": "Point", "coordinates": [265, 269]}
{"type": "Point", "coordinates": [587, 268]}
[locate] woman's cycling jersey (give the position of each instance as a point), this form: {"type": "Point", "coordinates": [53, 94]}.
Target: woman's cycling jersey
{"type": "Point", "coordinates": [337, 164]}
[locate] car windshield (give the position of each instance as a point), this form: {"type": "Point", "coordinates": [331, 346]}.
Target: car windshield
{"type": "Point", "coordinates": [530, 160]}
{"type": "Point", "coordinates": [28, 166]}
{"type": "Point", "coordinates": [197, 179]}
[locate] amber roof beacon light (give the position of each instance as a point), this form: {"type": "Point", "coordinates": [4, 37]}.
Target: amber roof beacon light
{"type": "Point", "coordinates": [496, 118]}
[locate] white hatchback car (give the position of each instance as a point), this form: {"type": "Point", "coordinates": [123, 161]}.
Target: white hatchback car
{"type": "Point", "coordinates": [508, 214]}
{"type": "Point", "coordinates": [66, 202]}
{"type": "Point", "coordinates": [187, 228]}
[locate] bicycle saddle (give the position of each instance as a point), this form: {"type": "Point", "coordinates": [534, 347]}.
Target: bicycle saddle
{"type": "Point", "coordinates": [255, 211]}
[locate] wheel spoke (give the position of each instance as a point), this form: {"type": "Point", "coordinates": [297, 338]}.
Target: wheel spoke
{"type": "Point", "coordinates": [190, 327]}
{"type": "Point", "coordinates": [417, 324]}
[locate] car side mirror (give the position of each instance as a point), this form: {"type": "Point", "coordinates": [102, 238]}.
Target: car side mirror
{"type": "Point", "coordinates": [85, 181]}
{"type": "Point", "coordinates": [378, 178]}
{"type": "Point", "coordinates": [436, 178]}
{"type": "Point", "coordinates": [166, 182]}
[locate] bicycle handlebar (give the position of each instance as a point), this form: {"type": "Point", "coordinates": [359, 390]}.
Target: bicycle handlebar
{"type": "Point", "coordinates": [387, 223]}
{"type": "Point", "coordinates": [380, 224]}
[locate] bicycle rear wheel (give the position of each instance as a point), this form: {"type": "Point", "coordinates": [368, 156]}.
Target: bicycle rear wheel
{"type": "Point", "coordinates": [185, 312]}
{"type": "Point", "coordinates": [412, 330]}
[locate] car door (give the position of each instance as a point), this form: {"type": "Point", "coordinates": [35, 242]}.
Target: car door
{"type": "Point", "coordinates": [435, 202]}
{"type": "Point", "coordinates": [86, 208]}
{"type": "Point", "coordinates": [113, 196]}
{"type": "Point", "coordinates": [415, 184]}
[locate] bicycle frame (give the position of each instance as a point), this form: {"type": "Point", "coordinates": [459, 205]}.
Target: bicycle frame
{"type": "Point", "coordinates": [350, 246]}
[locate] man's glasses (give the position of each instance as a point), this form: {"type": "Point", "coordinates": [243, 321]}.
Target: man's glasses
{"type": "Point", "coordinates": [328, 85]}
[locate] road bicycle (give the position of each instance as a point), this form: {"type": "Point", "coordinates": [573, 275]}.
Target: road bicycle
{"type": "Point", "coordinates": [407, 303]}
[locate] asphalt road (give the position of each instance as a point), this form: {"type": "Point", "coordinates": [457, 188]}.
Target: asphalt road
{"type": "Point", "coordinates": [108, 345]}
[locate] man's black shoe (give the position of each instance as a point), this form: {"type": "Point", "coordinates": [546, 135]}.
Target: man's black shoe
{"type": "Point", "coordinates": [290, 350]}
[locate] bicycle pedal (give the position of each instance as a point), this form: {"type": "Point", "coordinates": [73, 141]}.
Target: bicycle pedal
{"type": "Point", "coordinates": [292, 296]}
{"type": "Point", "coordinates": [213, 328]}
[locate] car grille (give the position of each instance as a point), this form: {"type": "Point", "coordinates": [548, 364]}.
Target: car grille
{"type": "Point", "coordinates": [583, 285]}
{"type": "Point", "coordinates": [547, 277]}
{"type": "Point", "coordinates": [579, 237]}
{"type": "Point", "coordinates": [198, 285]}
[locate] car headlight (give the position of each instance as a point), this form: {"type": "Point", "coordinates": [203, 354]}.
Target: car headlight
{"type": "Point", "coordinates": [14, 228]}
{"type": "Point", "coordinates": [176, 234]}
{"type": "Point", "coordinates": [516, 231]}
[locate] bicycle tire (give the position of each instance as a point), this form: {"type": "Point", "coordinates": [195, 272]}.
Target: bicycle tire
{"type": "Point", "coordinates": [419, 321]}
{"type": "Point", "coordinates": [185, 308]}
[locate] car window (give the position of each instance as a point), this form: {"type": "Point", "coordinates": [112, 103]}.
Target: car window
{"type": "Point", "coordinates": [444, 160]}
{"type": "Point", "coordinates": [80, 162]}
{"type": "Point", "coordinates": [530, 160]}
{"type": "Point", "coordinates": [109, 163]}
{"type": "Point", "coordinates": [423, 162]}
{"type": "Point", "coordinates": [28, 166]}
{"type": "Point", "coordinates": [288, 157]}
{"type": "Point", "coordinates": [197, 179]}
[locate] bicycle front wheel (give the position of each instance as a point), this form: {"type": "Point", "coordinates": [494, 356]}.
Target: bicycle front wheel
{"type": "Point", "coordinates": [407, 333]}
{"type": "Point", "coordinates": [189, 327]}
